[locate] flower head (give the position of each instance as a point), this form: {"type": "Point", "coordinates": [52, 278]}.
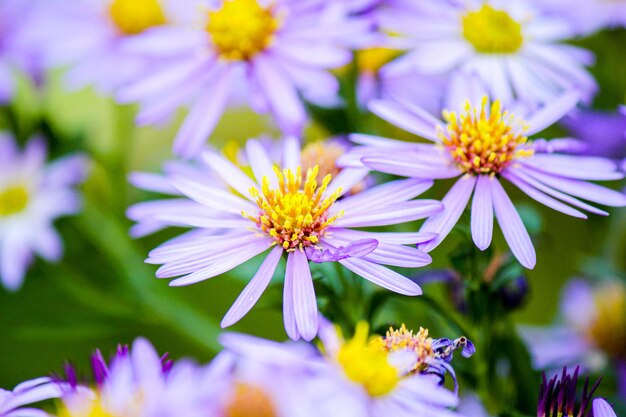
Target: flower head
{"type": "Point", "coordinates": [279, 212]}
{"type": "Point", "coordinates": [244, 50]}
{"type": "Point", "coordinates": [32, 196]}
{"type": "Point", "coordinates": [495, 46]}
{"type": "Point", "coordinates": [483, 145]}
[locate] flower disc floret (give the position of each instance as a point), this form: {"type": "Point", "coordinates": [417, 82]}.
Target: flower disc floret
{"type": "Point", "coordinates": [483, 142]}
{"type": "Point", "coordinates": [250, 401]}
{"type": "Point", "coordinates": [241, 29]}
{"type": "Point", "coordinates": [135, 16]}
{"type": "Point", "coordinates": [365, 363]}
{"type": "Point", "coordinates": [295, 214]}
{"type": "Point", "coordinates": [13, 200]}
{"type": "Point", "coordinates": [492, 31]}
{"type": "Point", "coordinates": [405, 339]}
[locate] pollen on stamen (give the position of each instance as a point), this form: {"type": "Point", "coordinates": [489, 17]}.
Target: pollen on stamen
{"type": "Point", "coordinates": [294, 214]}
{"type": "Point", "coordinates": [405, 339]}
{"type": "Point", "coordinates": [484, 141]}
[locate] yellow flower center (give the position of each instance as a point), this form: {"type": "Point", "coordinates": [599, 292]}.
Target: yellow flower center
{"type": "Point", "coordinates": [482, 143]}
{"type": "Point", "coordinates": [240, 29]}
{"type": "Point", "coordinates": [404, 339]}
{"type": "Point", "coordinates": [85, 407]}
{"type": "Point", "coordinates": [295, 214]}
{"type": "Point", "coordinates": [13, 200]}
{"type": "Point", "coordinates": [492, 31]}
{"type": "Point", "coordinates": [373, 59]}
{"type": "Point", "coordinates": [135, 16]}
{"type": "Point", "coordinates": [608, 331]}
{"type": "Point", "coordinates": [250, 401]}
{"type": "Point", "coordinates": [365, 363]}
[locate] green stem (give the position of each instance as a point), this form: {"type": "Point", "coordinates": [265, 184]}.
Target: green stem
{"type": "Point", "coordinates": [113, 242]}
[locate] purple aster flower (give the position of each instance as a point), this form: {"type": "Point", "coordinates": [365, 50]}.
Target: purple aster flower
{"type": "Point", "coordinates": [32, 196]}
{"type": "Point", "coordinates": [591, 330]}
{"type": "Point", "coordinates": [560, 397]}
{"type": "Point", "coordinates": [267, 53]}
{"type": "Point", "coordinates": [483, 145]}
{"type": "Point", "coordinates": [12, 402]}
{"type": "Point", "coordinates": [16, 55]}
{"type": "Point", "coordinates": [287, 211]}
{"type": "Point", "coordinates": [352, 378]}
{"type": "Point", "coordinates": [603, 133]}
{"type": "Point", "coordinates": [136, 382]}
{"type": "Point", "coordinates": [509, 49]}
{"type": "Point", "coordinates": [90, 37]}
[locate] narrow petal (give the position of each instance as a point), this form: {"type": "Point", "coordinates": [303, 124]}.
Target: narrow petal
{"type": "Point", "coordinates": [261, 164]}
{"type": "Point", "coordinates": [251, 294]}
{"type": "Point", "coordinates": [553, 112]}
{"type": "Point", "coordinates": [575, 167]}
{"type": "Point", "coordinates": [454, 202]}
{"type": "Point", "coordinates": [204, 115]}
{"type": "Point", "coordinates": [230, 173]}
{"type": "Point", "coordinates": [212, 197]}
{"type": "Point", "coordinates": [399, 213]}
{"type": "Point", "coordinates": [405, 166]}
{"type": "Point", "coordinates": [399, 116]}
{"type": "Point", "coordinates": [289, 315]}
{"type": "Point", "coordinates": [346, 180]}
{"type": "Point", "coordinates": [304, 301]}
{"type": "Point", "coordinates": [382, 276]}
{"type": "Point", "coordinates": [601, 408]}
{"type": "Point", "coordinates": [512, 227]}
{"type": "Point", "coordinates": [384, 195]}
{"type": "Point", "coordinates": [482, 213]}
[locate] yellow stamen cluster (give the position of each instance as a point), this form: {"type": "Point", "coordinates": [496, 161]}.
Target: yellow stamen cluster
{"type": "Point", "coordinates": [608, 330]}
{"type": "Point", "coordinates": [492, 31]}
{"type": "Point", "coordinates": [483, 143]}
{"type": "Point", "coordinates": [366, 364]}
{"type": "Point", "coordinates": [13, 200]}
{"type": "Point", "coordinates": [295, 214]}
{"type": "Point", "coordinates": [135, 16]}
{"type": "Point", "coordinates": [250, 401]}
{"type": "Point", "coordinates": [240, 29]}
{"type": "Point", "coordinates": [404, 339]}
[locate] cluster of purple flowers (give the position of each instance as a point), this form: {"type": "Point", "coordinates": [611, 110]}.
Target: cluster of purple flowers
{"type": "Point", "coordinates": [499, 73]}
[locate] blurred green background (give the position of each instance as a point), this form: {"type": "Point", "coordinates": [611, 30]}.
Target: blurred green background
{"type": "Point", "coordinates": [102, 293]}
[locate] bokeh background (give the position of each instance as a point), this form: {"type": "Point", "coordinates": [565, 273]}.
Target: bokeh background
{"type": "Point", "coordinates": [102, 293]}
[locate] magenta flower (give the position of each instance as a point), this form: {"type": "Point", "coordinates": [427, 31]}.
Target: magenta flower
{"type": "Point", "coordinates": [267, 53]}
{"type": "Point", "coordinates": [32, 196]}
{"type": "Point", "coordinates": [484, 145]}
{"type": "Point", "coordinates": [286, 211]}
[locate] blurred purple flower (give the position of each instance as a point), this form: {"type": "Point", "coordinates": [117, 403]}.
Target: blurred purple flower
{"type": "Point", "coordinates": [483, 144]}
{"type": "Point", "coordinates": [587, 16]}
{"type": "Point", "coordinates": [268, 53]}
{"type": "Point", "coordinates": [12, 402]}
{"type": "Point", "coordinates": [291, 212]}
{"type": "Point", "coordinates": [510, 49]}
{"type": "Point", "coordinates": [32, 196]}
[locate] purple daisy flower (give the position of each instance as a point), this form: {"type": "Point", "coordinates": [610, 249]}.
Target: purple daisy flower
{"type": "Point", "coordinates": [90, 37]}
{"type": "Point", "coordinates": [484, 144]}
{"type": "Point", "coordinates": [286, 211]}
{"type": "Point", "coordinates": [351, 378]}
{"type": "Point", "coordinates": [591, 330]}
{"type": "Point", "coordinates": [137, 382]}
{"type": "Point", "coordinates": [509, 49]}
{"type": "Point", "coordinates": [12, 402]}
{"type": "Point", "coordinates": [16, 55]}
{"type": "Point", "coordinates": [603, 133]}
{"type": "Point", "coordinates": [267, 53]}
{"type": "Point", "coordinates": [32, 196]}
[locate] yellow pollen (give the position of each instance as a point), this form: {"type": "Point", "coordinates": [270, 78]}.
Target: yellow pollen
{"type": "Point", "coordinates": [608, 330]}
{"type": "Point", "coordinates": [403, 339]}
{"type": "Point", "coordinates": [484, 141]}
{"type": "Point", "coordinates": [240, 29]}
{"type": "Point", "coordinates": [86, 407]}
{"type": "Point", "coordinates": [13, 200]}
{"type": "Point", "coordinates": [295, 214]}
{"type": "Point", "coordinates": [135, 16]}
{"type": "Point", "coordinates": [250, 401]}
{"type": "Point", "coordinates": [365, 363]}
{"type": "Point", "coordinates": [492, 31]}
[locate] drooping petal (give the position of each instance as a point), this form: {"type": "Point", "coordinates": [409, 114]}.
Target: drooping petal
{"type": "Point", "coordinates": [454, 202]}
{"type": "Point", "coordinates": [382, 276]}
{"type": "Point", "coordinates": [251, 294]}
{"type": "Point", "coordinates": [304, 301]}
{"type": "Point", "coordinates": [512, 227]}
{"type": "Point", "coordinates": [482, 213]}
